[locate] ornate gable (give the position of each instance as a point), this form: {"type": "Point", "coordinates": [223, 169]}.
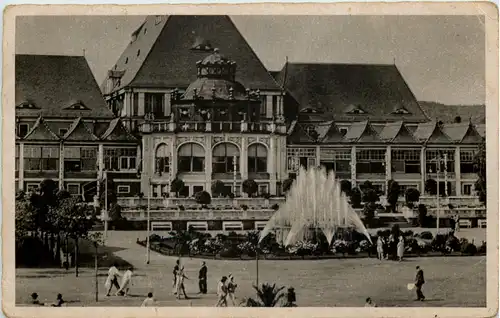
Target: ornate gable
{"type": "Point", "coordinates": [472, 136]}
{"type": "Point", "coordinates": [41, 132]}
{"type": "Point", "coordinates": [79, 131]}
{"type": "Point", "coordinates": [117, 132]}
{"type": "Point", "coordinates": [438, 136]}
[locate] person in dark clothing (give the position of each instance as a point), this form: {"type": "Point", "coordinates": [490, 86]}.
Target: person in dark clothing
{"type": "Point", "coordinates": [202, 278]}
{"type": "Point", "coordinates": [290, 298]}
{"type": "Point", "coordinates": [59, 301]}
{"type": "Point", "coordinates": [34, 299]}
{"type": "Point", "coordinates": [419, 281]}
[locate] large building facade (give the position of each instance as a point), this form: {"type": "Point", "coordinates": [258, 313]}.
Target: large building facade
{"type": "Point", "coordinates": [189, 99]}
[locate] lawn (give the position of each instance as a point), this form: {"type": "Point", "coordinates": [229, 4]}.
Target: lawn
{"type": "Point", "coordinates": [450, 281]}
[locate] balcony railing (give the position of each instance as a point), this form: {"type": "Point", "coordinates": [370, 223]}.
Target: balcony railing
{"type": "Point", "coordinates": [212, 126]}
{"type": "Point", "coordinates": [190, 203]}
{"type": "Point", "coordinates": [168, 214]}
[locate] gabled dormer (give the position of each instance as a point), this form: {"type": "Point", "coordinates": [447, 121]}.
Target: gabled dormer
{"type": "Point", "coordinates": [397, 132]}
{"type": "Point", "coordinates": [362, 132]}
{"type": "Point", "coordinates": [354, 110]}
{"type": "Point", "coordinates": [401, 110]}
{"type": "Point", "coordinates": [79, 131]}
{"type": "Point", "coordinates": [41, 132]}
{"type": "Point", "coordinates": [76, 105]}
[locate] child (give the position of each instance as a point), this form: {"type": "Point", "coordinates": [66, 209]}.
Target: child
{"type": "Point", "coordinates": [149, 301]}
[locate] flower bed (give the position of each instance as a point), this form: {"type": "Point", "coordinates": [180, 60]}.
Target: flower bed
{"type": "Point", "coordinates": [244, 246]}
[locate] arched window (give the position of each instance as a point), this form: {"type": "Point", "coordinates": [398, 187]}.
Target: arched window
{"type": "Point", "coordinates": [191, 158]}
{"type": "Point", "coordinates": [223, 158]}
{"type": "Point", "coordinates": [162, 159]}
{"type": "Point", "coordinates": [257, 158]}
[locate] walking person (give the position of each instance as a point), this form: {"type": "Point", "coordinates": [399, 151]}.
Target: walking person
{"type": "Point", "coordinates": [291, 298]}
{"type": "Point", "coordinates": [231, 288]}
{"type": "Point", "coordinates": [369, 303]}
{"type": "Point", "coordinates": [180, 283]}
{"type": "Point", "coordinates": [149, 301]}
{"type": "Point", "coordinates": [380, 248]}
{"type": "Point", "coordinates": [126, 282]}
{"type": "Point", "coordinates": [401, 248]}
{"type": "Point", "coordinates": [419, 282]}
{"type": "Point", "coordinates": [457, 223]}
{"type": "Point", "coordinates": [112, 280]}
{"type": "Point", "coordinates": [222, 293]}
{"type": "Point", "coordinates": [174, 272]}
{"type": "Point", "coordinates": [202, 278]}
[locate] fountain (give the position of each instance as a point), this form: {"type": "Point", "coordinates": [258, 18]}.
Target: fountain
{"type": "Point", "coordinates": [314, 202]}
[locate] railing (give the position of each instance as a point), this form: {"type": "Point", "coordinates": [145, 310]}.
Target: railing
{"type": "Point", "coordinates": [187, 203]}
{"type": "Point", "coordinates": [168, 214]}
{"type": "Point", "coordinates": [213, 126]}
{"type": "Point", "coordinates": [456, 201]}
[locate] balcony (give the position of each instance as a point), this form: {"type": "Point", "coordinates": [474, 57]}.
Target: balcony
{"type": "Point", "coordinates": [192, 215]}
{"type": "Point", "coordinates": [212, 126]}
{"type": "Point", "coordinates": [455, 201]}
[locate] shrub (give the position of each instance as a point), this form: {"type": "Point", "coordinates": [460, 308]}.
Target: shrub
{"type": "Point", "coordinates": [468, 249]}
{"type": "Point", "coordinates": [231, 195]}
{"type": "Point", "coordinates": [244, 207]}
{"type": "Point", "coordinates": [181, 207]}
{"type": "Point", "coordinates": [176, 186]}
{"type": "Point", "coordinates": [230, 252]}
{"type": "Point", "coordinates": [287, 185]}
{"type": "Point", "coordinates": [482, 248]}
{"type": "Point", "coordinates": [203, 198]}
{"type": "Point", "coordinates": [412, 195]}
{"type": "Point", "coordinates": [250, 187]}
{"type": "Point", "coordinates": [426, 235]}
{"type": "Point", "coordinates": [346, 186]}
{"type": "Point", "coordinates": [355, 197]}
{"type": "Point", "coordinates": [370, 196]}
{"type": "Point", "coordinates": [393, 194]}
{"type": "Point", "coordinates": [275, 207]}
{"type": "Point", "coordinates": [218, 188]}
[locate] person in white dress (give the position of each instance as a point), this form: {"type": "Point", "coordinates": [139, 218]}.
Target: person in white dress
{"type": "Point", "coordinates": [149, 301]}
{"type": "Point", "coordinates": [222, 293]}
{"type": "Point", "coordinates": [126, 282]}
{"type": "Point", "coordinates": [401, 248]}
{"type": "Point", "coordinates": [180, 283]}
{"type": "Point", "coordinates": [380, 248]}
{"type": "Point", "coordinates": [112, 280]}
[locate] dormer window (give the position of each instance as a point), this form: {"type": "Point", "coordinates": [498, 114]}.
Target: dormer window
{"type": "Point", "coordinates": [27, 105]}
{"type": "Point", "coordinates": [309, 110]}
{"type": "Point", "coordinates": [78, 105]}
{"type": "Point", "coordinates": [401, 111]}
{"type": "Point", "coordinates": [354, 110]}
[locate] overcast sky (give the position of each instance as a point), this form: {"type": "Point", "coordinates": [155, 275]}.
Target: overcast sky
{"type": "Point", "coordinates": [441, 57]}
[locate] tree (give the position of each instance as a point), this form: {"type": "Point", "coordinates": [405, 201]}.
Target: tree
{"type": "Point", "coordinates": [480, 169]}
{"type": "Point", "coordinates": [176, 186]}
{"type": "Point", "coordinates": [431, 186]}
{"type": "Point", "coordinates": [422, 215]}
{"type": "Point", "coordinates": [393, 192]}
{"type": "Point", "coordinates": [203, 198]}
{"type": "Point", "coordinates": [267, 296]}
{"type": "Point", "coordinates": [115, 212]}
{"type": "Point", "coordinates": [287, 185]}
{"type": "Point", "coordinates": [108, 191]}
{"type": "Point", "coordinates": [346, 186]}
{"type": "Point", "coordinates": [74, 220]}
{"type": "Point", "coordinates": [355, 197]}
{"type": "Point", "coordinates": [250, 187]}
{"type": "Point", "coordinates": [412, 195]}
{"type": "Point", "coordinates": [218, 189]}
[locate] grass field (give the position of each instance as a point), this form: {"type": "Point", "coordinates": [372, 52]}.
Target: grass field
{"type": "Point", "coordinates": [450, 281]}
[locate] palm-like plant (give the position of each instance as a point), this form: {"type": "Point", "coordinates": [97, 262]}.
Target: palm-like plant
{"type": "Point", "coordinates": [267, 296]}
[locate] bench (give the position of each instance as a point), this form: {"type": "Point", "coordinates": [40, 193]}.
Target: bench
{"type": "Point", "coordinates": [161, 226]}
{"type": "Point", "coordinates": [481, 223]}
{"type": "Point", "coordinates": [199, 226]}
{"type": "Point", "coordinates": [260, 225]}
{"type": "Point", "coordinates": [465, 223]}
{"type": "Point", "coordinates": [232, 226]}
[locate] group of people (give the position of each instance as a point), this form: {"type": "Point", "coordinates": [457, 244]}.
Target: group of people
{"type": "Point", "coordinates": [390, 246]}
{"type": "Point", "coordinates": [58, 303]}
{"type": "Point", "coordinates": [112, 280]}
{"type": "Point", "coordinates": [225, 291]}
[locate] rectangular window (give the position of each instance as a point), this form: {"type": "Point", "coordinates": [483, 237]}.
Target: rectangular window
{"type": "Point", "coordinates": [466, 161]}
{"type": "Point", "coordinates": [41, 158]}
{"type": "Point", "coordinates": [73, 188]}
{"type": "Point", "coordinates": [62, 131]}
{"type": "Point", "coordinates": [197, 189]}
{"type": "Point", "coordinates": [123, 189]}
{"type": "Point", "coordinates": [120, 158]}
{"type": "Point", "coordinates": [405, 160]}
{"type": "Point", "coordinates": [263, 188]}
{"type": "Point", "coordinates": [128, 163]}
{"type": "Point", "coordinates": [338, 160]}
{"type": "Point", "coordinates": [263, 106]}
{"type": "Point", "coordinates": [467, 189]}
{"type": "Point", "coordinates": [17, 158]}
{"type": "Point", "coordinates": [432, 157]}
{"type": "Point", "coordinates": [153, 103]}
{"type": "Point", "coordinates": [23, 129]}
{"type": "Point", "coordinates": [135, 104]}
{"type": "Point", "coordinates": [275, 105]}
{"type": "Point", "coordinates": [184, 193]}
{"type": "Point", "coordinates": [370, 161]}
{"type": "Point", "coordinates": [31, 187]}
{"type": "Point", "coordinates": [297, 157]}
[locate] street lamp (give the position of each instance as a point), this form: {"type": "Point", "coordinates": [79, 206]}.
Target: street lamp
{"type": "Point", "coordinates": [148, 247]}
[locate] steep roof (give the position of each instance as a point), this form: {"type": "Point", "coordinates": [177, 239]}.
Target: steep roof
{"type": "Point", "coordinates": [339, 89]}
{"type": "Point", "coordinates": [57, 86]}
{"type": "Point", "coordinates": [79, 131]}
{"type": "Point", "coordinates": [431, 132]}
{"type": "Point", "coordinates": [41, 132]}
{"type": "Point", "coordinates": [397, 132]}
{"type": "Point", "coordinates": [462, 133]}
{"type": "Point", "coordinates": [362, 132]}
{"type": "Point", "coordinates": [117, 132]}
{"type": "Point", "coordinates": [447, 113]}
{"type": "Point", "coordinates": [164, 52]}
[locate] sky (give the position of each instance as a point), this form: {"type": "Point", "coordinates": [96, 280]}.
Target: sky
{"type": "Point", "coordinates": [442, 58]}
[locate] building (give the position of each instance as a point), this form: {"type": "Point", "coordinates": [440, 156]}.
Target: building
{"type": "Point", "coordinates": [189, 99]}
{"type": "Point", "coordinates": [66, 132]}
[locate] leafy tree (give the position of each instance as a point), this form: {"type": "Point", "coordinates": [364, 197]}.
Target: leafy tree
{"type": "Point", "coordinates": [431, 186]}
{"type": "Point", "coordinates": [26, 215]}
{"type": "Point", "coordinates": [422, 215]}
{"type": "Point", "coordinates": [412, 195]}
{"type": "Point", "coordinates": [393, 192]}
{"type": "Point", "coordinates": [218, 189]}
{"type": "Point", "coordinates": [250, 187]}
{"type": "Point", "coordinates": [73, 220]}
{"type": "Point", "coordinates": [203, 198]}
{"type": "Point", "coordinates": [355, 197]}
{"type": "Point", "coordinates": [346, 186]}
{"type": "Point", "coordinates": [287, 185]}
{"type": "Point", "coordinates": [115, 212]}
{"type": "Point", "coordinates": [370, 196]}
{"type": "Point", "coordinates": [480, 169]}
{"type": "Point", "coordinates": [366, 185]}
{"type": "Point", "coordinates": [176, 186]}
{"type": "Point", "coordinates": [267, 296]}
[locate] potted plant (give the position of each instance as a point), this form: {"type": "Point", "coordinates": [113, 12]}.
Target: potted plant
{"type": "Point", "coordinates": [250, 187]}
{"type": "Point", "coordinates": [203, 198]}
{"type": "Point", "coordinates": [176, 186]}
{"type": "Point", "coordinates": [218, 188]}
